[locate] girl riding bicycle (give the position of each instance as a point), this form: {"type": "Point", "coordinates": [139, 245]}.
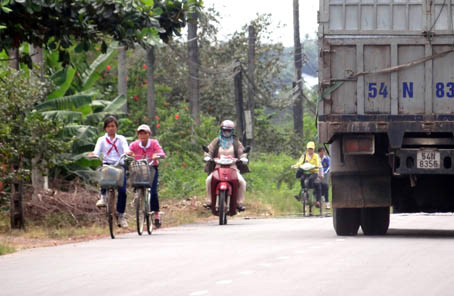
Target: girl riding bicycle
{"type": "Point", "coordinates": [112, 147]}
{"type": "Point", "coordinates": [147, 148]}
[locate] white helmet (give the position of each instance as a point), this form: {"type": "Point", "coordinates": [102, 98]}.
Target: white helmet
{"type": "Point", "coordinates": [227, 124]}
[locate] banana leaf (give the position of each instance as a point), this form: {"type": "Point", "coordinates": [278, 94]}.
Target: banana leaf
{"type": "Point", "coordinates": [63, 79]}
{"type": "Point", "coordinates": [99, 105]}
{"type": "Point", "coordinates": [92, 74]}
{"type": "Point", "coordinates": [83, 161]}
{"type": "Point", "coordinates": [116, 105]}
{"type": "Point", "coordinates": [63, 116]}
{"type": "Point", "coordinates": [113, 108]}
{"type": "Point", "coordinates": [68, 102]}
{"type": "Point", "coordinates": [80, 131]}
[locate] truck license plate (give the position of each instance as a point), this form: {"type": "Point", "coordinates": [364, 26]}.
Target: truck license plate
{"type": "Point", "coordinates": [428, 160]}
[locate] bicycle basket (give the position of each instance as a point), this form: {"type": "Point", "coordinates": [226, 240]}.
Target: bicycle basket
{"type": "Point", "coordinates": [111, 176]}
{"type": "Point", "coordinates": [141, 175]}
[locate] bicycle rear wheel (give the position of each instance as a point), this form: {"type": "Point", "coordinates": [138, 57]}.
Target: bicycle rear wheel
{"type": "Point", "coordinates": [310, 201]}
{"type": "Point", "coordinates": [111, 212]}
{"type": "Point", "coordinates": [140, 210]}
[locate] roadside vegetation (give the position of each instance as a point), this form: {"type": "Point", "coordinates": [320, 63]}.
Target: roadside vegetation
{"type": "Point", "coordinates": [52, 112]}
{"type": "Point", "coordinates": [5, 249]}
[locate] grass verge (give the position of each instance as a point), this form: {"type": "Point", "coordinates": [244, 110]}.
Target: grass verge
{"type": "Point", "coordinates": [6, 249]}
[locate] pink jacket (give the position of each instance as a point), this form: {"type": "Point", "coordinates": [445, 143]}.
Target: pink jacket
{"type": "Point", "coordinates": [141, 152]}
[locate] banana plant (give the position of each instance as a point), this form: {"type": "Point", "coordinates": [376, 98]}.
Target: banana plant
{"type": "Point", "coordinates": [76, 102]}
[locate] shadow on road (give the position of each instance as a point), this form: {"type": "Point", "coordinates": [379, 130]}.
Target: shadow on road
{"type": "Point", "coordinates": [421, 233]}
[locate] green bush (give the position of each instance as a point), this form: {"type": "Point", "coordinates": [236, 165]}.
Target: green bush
{"type": "Point", "coordinates": [273, 182]}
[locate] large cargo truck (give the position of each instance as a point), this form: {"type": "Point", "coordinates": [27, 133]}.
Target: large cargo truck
{"type": "Point", "coordinates": [386, 78]}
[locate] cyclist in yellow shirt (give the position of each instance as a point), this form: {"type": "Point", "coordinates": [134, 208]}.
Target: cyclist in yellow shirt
{"type": "Point", "coordinates": [316, 174]}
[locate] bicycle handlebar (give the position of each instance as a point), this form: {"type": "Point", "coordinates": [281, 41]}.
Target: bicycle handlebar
{"type": "Point", "coordinates": [117, 163]}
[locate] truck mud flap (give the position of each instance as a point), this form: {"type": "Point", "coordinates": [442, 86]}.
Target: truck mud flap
{"type": "Point", "coordinates": [352, 190]}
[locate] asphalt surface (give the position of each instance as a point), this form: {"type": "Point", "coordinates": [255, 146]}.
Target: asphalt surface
{"type": "Point", "coordinates": [288, 256]}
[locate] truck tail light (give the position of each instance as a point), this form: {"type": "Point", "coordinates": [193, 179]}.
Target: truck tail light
{"type": "Point", "coordinates": [359, 144]}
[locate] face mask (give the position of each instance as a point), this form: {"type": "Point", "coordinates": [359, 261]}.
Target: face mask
{"type": "Point", "coordinates": [226, 133]}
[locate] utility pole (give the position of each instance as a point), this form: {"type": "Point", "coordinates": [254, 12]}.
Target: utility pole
{"type": "Point", "coordinates": [151, 102]}
{"type": "Point", "coordinates": [122, 76]}
{"type": "Point", "coordinates": [249, 114]}
{"type": "Point", "coordinates": [193, 66]}
{"type": "Point", "coordinates": [237, 83]}
{"type": "Point", "coordinates": [298, 110]}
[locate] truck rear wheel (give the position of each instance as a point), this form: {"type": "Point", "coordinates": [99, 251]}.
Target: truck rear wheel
{"type": "Point", "coordinates": [375, 221]}
{"type": "Point", "coordinates": [346, 221]}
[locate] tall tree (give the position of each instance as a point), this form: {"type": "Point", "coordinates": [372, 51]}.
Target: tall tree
{"type": "Point", "coordinates": [298, 110]}
{"type": "Point", "coordinates": [193, 66]}
{"type": "Point", "coordinates": [123, 76]}
{"type": "Point", "coordinates": [13, 54]}
{"type": "Point", "coordinates": [58, 24]}
{"type": "Point", "coordinates": [151, 102]}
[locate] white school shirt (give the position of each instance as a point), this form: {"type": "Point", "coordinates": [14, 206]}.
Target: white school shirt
{"type": "Point", "coordinates": [110, 154]}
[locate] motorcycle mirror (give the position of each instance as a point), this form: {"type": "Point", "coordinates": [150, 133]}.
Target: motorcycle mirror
{"type": "Point", "coordinates": [205, 148]}
{"type": "Point", "coordinates": [247, 149]}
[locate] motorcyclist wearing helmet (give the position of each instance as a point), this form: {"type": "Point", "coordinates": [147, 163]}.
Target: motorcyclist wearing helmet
{"type": "Point", "coordinates": [316, 174]}
{"type": "Point", "coordinates": [227, 144]}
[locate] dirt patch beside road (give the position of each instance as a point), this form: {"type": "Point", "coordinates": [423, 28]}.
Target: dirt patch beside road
{"type": "Point", "coordinates": [56, 218]}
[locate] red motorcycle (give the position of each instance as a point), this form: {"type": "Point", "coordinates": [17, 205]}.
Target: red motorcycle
{"type": "Point", "coordinates": [224, 187]}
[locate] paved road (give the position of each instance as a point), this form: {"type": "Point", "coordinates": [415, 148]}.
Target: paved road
{"type": "Point", "coordinates": [247, 257]}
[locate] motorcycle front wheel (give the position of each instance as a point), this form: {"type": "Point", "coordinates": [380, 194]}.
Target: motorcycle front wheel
{"type": "Point", "coordinates": [222, 210]}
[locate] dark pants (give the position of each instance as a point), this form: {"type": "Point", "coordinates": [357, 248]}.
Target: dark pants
{"type": "Point", "coordinates": [313, 183]}
{"type": "Point", "coordinates": [121, 200]}
{"type": "Point", "coordinates": [154, 201]}
{"type": "Point", "coordinates": [325, 191]}
{"type": "Point", "coordinates": [325, 186]}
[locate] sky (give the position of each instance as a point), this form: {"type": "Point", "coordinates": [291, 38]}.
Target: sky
{"type": "Point", "coordinates": [236, 13]}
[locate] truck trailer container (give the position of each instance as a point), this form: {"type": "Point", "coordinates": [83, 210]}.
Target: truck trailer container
{"type": "Point", "coordinates": [386, 81]}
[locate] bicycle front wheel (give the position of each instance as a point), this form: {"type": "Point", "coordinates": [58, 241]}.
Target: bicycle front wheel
{"type": "Point", "coordinates": [140, 210]}
{"type": "Point", "coordinates": [111, 212]}
{"type": "Point", "coordinates": [147, 211]}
